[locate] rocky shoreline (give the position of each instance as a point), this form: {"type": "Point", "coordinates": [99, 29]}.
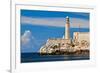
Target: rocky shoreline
{"type": "Point", "coordinates": [78, 52]}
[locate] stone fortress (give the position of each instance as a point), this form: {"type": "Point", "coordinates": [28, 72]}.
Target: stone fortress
{"type": "Point", "coordinates": [79, 44]}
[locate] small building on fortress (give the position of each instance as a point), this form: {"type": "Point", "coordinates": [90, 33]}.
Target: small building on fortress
{"type": "Point", "coordinates": [80, 41]}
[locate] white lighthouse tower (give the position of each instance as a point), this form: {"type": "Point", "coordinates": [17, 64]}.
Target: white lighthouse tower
{"type": "Point", "coordinates": [67, 28]}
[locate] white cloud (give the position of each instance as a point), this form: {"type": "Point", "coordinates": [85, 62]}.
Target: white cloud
{"type": "Point", "coordinates": [43, 21]}
{"type": "Point", "coordinates": [27, 40]}
{"type": "Point", "coordinates": [58, 22]}
{"type": "Point", "coordinates": [26, 37]}
{"type": "Point", "coordinates": [76, 22]}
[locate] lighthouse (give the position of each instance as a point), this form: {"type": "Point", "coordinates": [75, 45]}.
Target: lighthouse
{"type": "Point", "coordinates": [67, 28]}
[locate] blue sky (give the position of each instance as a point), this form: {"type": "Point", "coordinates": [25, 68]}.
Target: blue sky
{"type": "Point", "coordinates": [37, 13]}
{"type": "Point", "coordinates": [37, 26]}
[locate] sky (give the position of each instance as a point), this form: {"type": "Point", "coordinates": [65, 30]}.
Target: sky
{"type": "Point", "coordinates": [37, 26]}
